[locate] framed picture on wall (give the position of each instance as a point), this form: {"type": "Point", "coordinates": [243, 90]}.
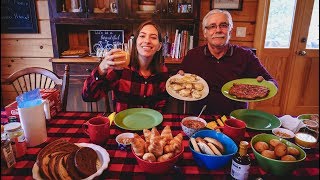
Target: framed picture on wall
{"type": "Point", "coordinates": [226, 4]}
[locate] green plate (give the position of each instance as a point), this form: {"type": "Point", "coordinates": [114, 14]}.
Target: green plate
{"type": "Point", "coordinates": [273, 89]}
{"type": "Point", "coordinates": [256, 120]}
{"type": "Point", "coordinates": [138, 119]}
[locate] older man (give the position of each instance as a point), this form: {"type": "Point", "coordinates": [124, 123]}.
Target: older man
{"type": "Point", "coordinates": [219, 62]}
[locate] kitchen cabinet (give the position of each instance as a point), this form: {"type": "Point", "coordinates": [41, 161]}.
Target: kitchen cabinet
{"type": "Point", "coordinates": [70, 21]}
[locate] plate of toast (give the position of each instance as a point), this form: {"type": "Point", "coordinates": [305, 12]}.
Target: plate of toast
{"type": "Point", "coordinates": [61, 159]}
{"type": "Point", "coordinates": [187, 87]}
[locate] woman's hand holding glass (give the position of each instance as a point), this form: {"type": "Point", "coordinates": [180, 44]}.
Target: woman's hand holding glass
{"type": "Point", "coordinates": [110, 61]}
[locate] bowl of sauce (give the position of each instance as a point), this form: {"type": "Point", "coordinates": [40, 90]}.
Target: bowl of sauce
{"type": "Point", "coordinates": [311, 124]}
{"type": "Point", "coordinates": [192, 124]}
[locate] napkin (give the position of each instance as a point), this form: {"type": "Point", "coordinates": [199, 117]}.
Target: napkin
{"type": "Point", "coordinates": [291, 123]}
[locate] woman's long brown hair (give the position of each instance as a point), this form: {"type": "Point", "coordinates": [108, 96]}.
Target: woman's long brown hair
{"type": "Point", "coordinates": [157, 60]}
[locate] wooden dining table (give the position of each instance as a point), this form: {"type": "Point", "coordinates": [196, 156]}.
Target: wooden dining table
{"type": "Point", "coordinates": [123, 165]}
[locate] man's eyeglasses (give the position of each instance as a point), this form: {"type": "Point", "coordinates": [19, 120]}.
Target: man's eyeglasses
{"type": "Point", "coordinates": [214, 26]}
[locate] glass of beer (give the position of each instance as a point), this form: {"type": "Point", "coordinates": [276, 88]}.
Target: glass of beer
{"type": "Point", "coordinates": [126, 55]}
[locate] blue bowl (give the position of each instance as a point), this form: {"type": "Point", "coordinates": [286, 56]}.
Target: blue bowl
{"type": "Point", "coordinates": [213, 162]}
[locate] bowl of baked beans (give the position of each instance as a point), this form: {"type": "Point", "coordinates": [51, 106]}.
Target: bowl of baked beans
{"type": "Point", "coordinates": [283, 133]}
{"type": "Point", "coordinates": [192, 124]}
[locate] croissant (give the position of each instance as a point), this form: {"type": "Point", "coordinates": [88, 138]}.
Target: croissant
{"type": "Point", "coordinates": [177, 139]}
{"type": "Point", "coordinates": [149, 157]}
{"type": "Point", "coordinates": [138, 145]}
{"type": "Point", "coordinates": [171, 148]}
{"type": "Point", "coordinates": [154, 133]}
{"type": "Point", "coordinates": [156, 147]}
{"type": "Point", "coordinates": [167, 134]}
{"type": "Point", "coordinates": [147, 134]}
{"type": "Point", "coordinates": [146, 145]}
{"type": "Point", "coordinates": [165, 157]}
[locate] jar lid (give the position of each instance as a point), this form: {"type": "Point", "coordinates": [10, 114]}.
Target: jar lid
{"type": "Point", "coordinates": [12, 126]}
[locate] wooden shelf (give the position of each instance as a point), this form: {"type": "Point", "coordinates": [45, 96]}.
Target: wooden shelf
{"type": "Point", "coordinates": [86, 59]}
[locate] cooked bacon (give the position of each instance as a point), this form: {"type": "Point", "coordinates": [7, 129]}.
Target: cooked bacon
{"type": "Point", "coordinates": [248, 91]}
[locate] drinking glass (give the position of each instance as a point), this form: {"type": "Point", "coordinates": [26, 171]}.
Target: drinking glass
{"type": "Point", "coordinates": [126, 55]}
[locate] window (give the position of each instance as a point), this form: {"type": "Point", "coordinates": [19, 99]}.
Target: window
{"type": "Point", "coordinates": [313, 35]}
{"type": "Point", "coordinates": [280, 22]}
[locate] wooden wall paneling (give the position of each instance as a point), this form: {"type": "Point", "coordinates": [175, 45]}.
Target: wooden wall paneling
{"type": "Point", "coordinates": [42, 10]}
{"type": "Point", "coordinates": [8, 97]}
{"type": "Point", "coordinates": [248, 12]}
{"type": "Point", "coordinates": [12, 64]}
{"type": "Point", "coordinates": [250, 28]}
{"type": "Point", "coordinates": [243, 18]}
{"type": "Point", "coordinates": [26, 48]}
{"type": "Point", "coordinates": [277, 67]}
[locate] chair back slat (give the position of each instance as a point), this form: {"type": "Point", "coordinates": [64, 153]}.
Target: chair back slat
{"type": "Point", "coordinates": [36, 77]}
{"type": "Point", "coordinates": [30, 84]}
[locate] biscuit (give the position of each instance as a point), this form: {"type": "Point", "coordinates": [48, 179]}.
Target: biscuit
{"type": "Point", "coordinates": [185, 92]}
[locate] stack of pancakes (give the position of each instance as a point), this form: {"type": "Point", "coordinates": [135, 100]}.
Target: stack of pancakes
{"type": "Point", "coordinates": [64, 160]}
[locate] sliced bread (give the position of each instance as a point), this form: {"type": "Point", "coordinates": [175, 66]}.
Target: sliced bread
{"type": "Point", "coordinates": [86, 161]}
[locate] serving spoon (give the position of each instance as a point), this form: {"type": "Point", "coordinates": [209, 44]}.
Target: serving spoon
{"type": "Point", "coordinates": [203, 108]}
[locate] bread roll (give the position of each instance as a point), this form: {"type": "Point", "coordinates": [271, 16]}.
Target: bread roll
{"type": "Point", "coordinates": [195, 145]}
{"type": "Point", "coordinates": [165, 157]}
{"type": "Point", "coordinates": [205, 148]}
{"type": "Point", "coordinates": [149, 157]}
{"type": "Point", "coordinates": [214, 149]}
{"type": "Point", "coordinates": [216, 143]}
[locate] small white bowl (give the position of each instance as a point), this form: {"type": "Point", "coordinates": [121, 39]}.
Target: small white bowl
{"type": "Point", "coordinates": [123, 140]}
{"type": "Point", "coordinates": [283, 133]}
{"type": "Point", "coordinates": [188, 130]}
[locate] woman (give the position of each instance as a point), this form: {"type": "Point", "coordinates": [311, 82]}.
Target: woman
{"type": "Point", "coordinates": [142, 83]}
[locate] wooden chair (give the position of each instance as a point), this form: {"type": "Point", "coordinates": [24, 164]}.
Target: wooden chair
{"type": "Point", "coordinates": [107, 102]}
{"type": "Point", "coordinates": [36, 77]}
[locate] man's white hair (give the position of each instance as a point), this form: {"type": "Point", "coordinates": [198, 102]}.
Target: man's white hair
{"type": "Point", "coordinates": [217, 11]}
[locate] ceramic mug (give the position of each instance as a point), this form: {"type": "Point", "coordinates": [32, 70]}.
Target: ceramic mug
{"type": "Point", "coordinates": [234, 128]}
{"type": "Point", "coordinates": [98, 129]}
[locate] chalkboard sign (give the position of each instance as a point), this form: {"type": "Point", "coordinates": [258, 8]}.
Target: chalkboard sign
{"type": "Point", "coordinates": [104, 39]}
{"type": "Point", "coordinates": [18, 16]}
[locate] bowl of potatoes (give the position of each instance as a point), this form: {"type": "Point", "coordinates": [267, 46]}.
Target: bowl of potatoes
{"type": "Point", "coordinates": [276, 155]}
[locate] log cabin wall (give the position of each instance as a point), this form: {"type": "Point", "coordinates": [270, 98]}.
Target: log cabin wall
{"type": "Point", "coordinates": [242, 18]}
{"type": "Point", "coordinates": [25, 50]}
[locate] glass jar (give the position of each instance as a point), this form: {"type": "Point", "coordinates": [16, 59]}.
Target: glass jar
{"type": "Point", "coordinates": [7, 156]}
{"type": "Point", "coordinates": [17, 138]}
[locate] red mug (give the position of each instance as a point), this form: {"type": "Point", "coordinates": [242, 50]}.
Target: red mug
{"type": "Point", "coordinates": [234, 128]}
{"type": "Point", "coordinates": [98, 129]}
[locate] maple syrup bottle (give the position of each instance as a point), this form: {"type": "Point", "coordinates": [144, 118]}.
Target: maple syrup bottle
{"type": "Point", "coordinates": [241, 162]}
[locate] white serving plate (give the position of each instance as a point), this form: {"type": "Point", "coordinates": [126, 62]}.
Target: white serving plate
{"type": "Point", "coordinates": [102, 162]}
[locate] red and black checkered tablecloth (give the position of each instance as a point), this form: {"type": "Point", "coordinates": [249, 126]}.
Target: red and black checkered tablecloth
{"type": "Point", "coordinates": [123, 165]}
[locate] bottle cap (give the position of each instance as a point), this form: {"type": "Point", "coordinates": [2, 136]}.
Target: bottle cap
{"type": "Point", "coordinates": [244, 143]}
